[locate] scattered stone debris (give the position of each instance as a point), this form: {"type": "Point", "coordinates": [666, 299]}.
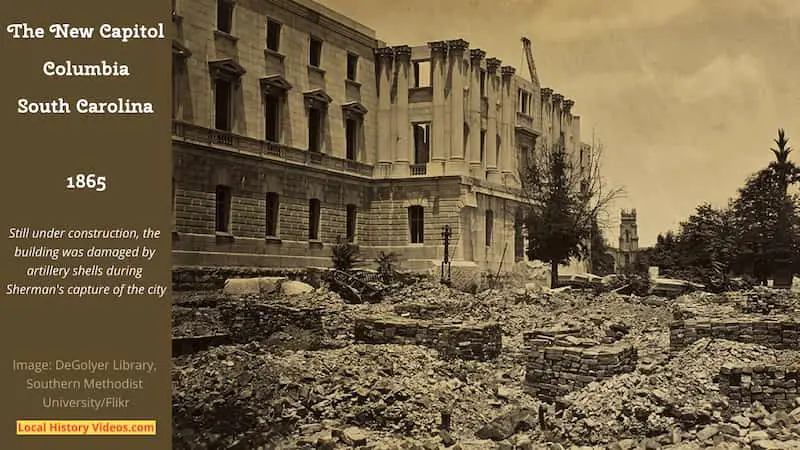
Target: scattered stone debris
{"type": "Point", "coordinates": [272, 362]}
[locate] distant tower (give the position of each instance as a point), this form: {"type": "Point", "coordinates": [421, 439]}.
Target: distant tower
{"type": "Point", "coordinates": [628, 238]}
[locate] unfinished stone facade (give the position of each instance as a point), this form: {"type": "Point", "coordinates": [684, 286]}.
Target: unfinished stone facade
{"type": "Point", "coordinates": [295, 126]}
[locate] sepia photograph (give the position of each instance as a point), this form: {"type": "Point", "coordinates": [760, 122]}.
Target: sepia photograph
{"type": "Point", "coordinates": [474, 224]}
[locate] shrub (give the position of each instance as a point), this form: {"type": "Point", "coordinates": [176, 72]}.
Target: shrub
{"type": "Point", "coordinates": [345, 255]}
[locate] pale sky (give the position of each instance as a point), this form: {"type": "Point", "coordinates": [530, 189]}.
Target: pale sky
{"type": "Point", "coordinates": [686, 95]}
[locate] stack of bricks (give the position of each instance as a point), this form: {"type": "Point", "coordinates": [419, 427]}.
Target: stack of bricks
{"type": "Point", "coordinates": [471, 341]}
{"type": "Point", "coordinates": [775, 387]}
{"type": "Point", "coordinates": [555, 369]}
{"type": "Point", "coordinates": [249, 321]}
{"type": "Point", "coordinates": [771, 301]}
{"type": "Point", "coordinates": [775, 332]}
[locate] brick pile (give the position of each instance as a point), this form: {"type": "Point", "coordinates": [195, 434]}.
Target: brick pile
{"type": "Point", "coordinates": [250, 321]}
{"type": "Point", "coordinates": [559, 363]}
{"type": "Point", "coordinates": [775, 332]}
{"type": "Point", "coordinates": [771, 301]}
{"type": "Point", "coordinates": [775, 387]}
{"type": "Point", "coordinates": [471, 341]}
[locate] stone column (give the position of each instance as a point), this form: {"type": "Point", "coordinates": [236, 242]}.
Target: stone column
{"type": "Point", "coordinates": [403, 147]}
{"type": "Point", "coordinates": [492, 126]}
{"type": "Point", "coordinates": [438, 143]}
{"type": "Point", "coordinates": [475, 166]}
{"type": "Point", "coordinates": [558, 120]}
{"type": "Point", "coordinates": [569, 128]}
{"type": "Point", "coordinates": [509, 119]}
{"type": "Point", "coordinates": [456, 163]}
{"type": "Point", "coordinates": [385, 56]}
{"type": "Point", "coordinates": [547, 119]}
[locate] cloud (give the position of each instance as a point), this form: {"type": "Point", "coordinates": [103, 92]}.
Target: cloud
{"type": "Point", "coordinates": [559, 21]}
{"type": "Point", "coordinates": [721, 76]}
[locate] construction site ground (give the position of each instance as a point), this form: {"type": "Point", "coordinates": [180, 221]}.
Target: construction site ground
{"type": "Point", "coordinates": [300, 389]}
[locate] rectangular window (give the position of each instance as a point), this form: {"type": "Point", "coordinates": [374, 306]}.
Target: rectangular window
{"type": "Point", "coordinates": [225, 16]}
{"type": "Point", "coordinates": [422, 142]}
{"type": "Point", "coordinates": [315, 52]}
{"type": "Point", "coordinates": [351, 137]}
{"type": "Point", "coordinates": [272, 115]}
{"type": "Point", "coordinates": [314, 130]}
{"type": "Point", "coordinates": [351, 223]}
{"type": "Point", "coordinates": [273, 36]}
{"type": "Point", "coordinates": [422, 73]}
{"type": "Point", "coordinates": [223, 196]}
{"type": "Point", "coordinates": [416, 224]}
{"type": "Point", "coordinates": [313, 219]}
{"type": "Point", "coordinates": [222, 100]}
{"type": "Point", "coordinates": [489, 226]}
{"type": "Point", "coordinates": [272, 208]}
{"type": "Point", "coordinates": [352, 66]}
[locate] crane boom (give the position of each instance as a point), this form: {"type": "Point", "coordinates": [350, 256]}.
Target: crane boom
{"type": "Point", "coordinates": [526, 46]}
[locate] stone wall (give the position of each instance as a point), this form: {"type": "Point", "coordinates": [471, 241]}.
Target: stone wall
{"type": "Point", "coordinates": [475, 341]}
{"type": "Point", "coordinates": [554, 370]}
{"type": "Point", "coordinates": [249, 321]}
{"type": "Point", "coordinates": [776, 332]}
{"type": "Point", "coordinates": [776, 387]}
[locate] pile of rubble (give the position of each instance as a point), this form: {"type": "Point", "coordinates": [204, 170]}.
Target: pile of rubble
{"type": "Point", "coordinates": [349, 393]}
{"type": "Point", "coordinates": [683, 393]}
{"type": "Point", "coordinates": [771, 301]}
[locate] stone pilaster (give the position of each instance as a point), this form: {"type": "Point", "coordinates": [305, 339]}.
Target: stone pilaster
{"type": "Point", "coordinates": [475, 166]}
{"type": "Point", "coordinates": [456, 163]}
{"type": "Point", "coordinates": [385, 56]}
{"type": "Point", "coordinates": [509, 119]}
{"type": "Point", "coordinates": [492, 125]}
{"type": "Point", "coordinates": [403, 146]}
{"type": "Point", "coordinates": [438, 135]}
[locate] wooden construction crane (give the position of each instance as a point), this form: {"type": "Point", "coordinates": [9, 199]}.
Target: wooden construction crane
{"type": "Point", "coordinates": [526, 46]}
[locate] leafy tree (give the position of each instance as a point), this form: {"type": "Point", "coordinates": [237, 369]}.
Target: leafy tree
{"type": "Point", "coordinates": [565, 197]}
{"type": "Point", "coordinates": [785, 170]}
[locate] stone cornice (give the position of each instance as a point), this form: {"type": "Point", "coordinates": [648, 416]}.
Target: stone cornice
{"type": "Point", "coordinates": [226, 68]}
{"type": "Point", "coordinates": [476, 55]}
{"type": "Point", "coordinates": [492, 64]}
{"type": "Point", "coordinates": [438, 48]}
{"type": "Point", "coordinates": [384, 52]}
{"type": "Point", "coordinates": [326, 22]}
{"type": "Point", "coordinates": [457, 45]}
{"type": "Point", "coordinates": [402, 52]}
{"type": "Point", "coordinates": [507, 71]}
